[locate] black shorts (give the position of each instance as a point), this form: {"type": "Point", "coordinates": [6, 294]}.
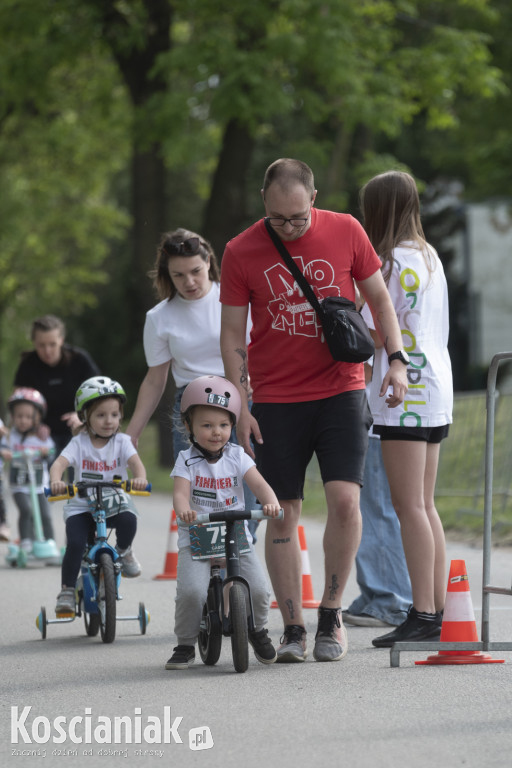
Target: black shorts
{"type": "Point", "coordinates": [418, 434]}
{"type": "Point", "coordinates": [335, 428]}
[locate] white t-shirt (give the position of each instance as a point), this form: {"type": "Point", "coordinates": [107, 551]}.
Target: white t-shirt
{"type": "Point", "coordinates": [103, 463]}
{"type": "Point", "coordinates": [420, 299]}
{"type": "Point", "coordinates": [188, 334]}
{"type": "Point", "coordinates": [213, 487]}
{"type": "Point", "coordinates": [18, 472]}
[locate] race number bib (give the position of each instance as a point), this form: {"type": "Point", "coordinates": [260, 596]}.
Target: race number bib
{"type": "Point", "coordinates": [207, 541]}
{"type": "Point", "coordinates": [114, 501]}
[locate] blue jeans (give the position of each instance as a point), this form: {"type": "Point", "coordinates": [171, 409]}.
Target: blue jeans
{"type": "Point", "coordinates": [181, 442]}
{"type": "Point", "coordinates": [381, 569]}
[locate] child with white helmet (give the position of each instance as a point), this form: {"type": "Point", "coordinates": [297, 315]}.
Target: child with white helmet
{"type": "Point", "coordinates": [209, 477]}
{"type": "Point", "coordinates": [27, 409]}
{"type": "Point", "coordinates": [98, 452]}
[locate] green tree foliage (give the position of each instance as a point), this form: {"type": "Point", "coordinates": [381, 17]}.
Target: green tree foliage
{"type": "Point", "coordinates": [123, 118]}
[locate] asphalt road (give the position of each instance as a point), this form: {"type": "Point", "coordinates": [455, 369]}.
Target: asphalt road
{"type": "Point", "coordinates": [359, 712]}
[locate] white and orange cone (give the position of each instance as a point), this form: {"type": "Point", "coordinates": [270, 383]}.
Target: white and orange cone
{"type": "Point", "coordinates": [308, 599]}
{"type": "Point", "coordinates": [171, 558]}
{"type": "Point", "coordinates": [459, 625]}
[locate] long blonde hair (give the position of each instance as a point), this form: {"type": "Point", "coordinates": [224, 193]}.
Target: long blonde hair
{"type": "Point", "coordinates": [390, 205]}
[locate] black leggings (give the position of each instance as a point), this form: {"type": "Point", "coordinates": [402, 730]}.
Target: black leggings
{"type": "Point", "coordinates": [80, 529]}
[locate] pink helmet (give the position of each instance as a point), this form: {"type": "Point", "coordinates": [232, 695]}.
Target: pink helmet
{"type": "Point", "coordinates": [212, 390]}
{"type": "Point", "coordinates": [28, 395]}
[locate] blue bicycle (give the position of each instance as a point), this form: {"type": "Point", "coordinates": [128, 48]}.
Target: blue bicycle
{"type": "Point", "coordinates": [97, 589]}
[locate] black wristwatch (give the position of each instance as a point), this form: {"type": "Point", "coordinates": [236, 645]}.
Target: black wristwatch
{"type": "Point", "coordinates": [400, 355]}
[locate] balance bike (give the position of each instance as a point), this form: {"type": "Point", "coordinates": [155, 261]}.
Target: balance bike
{"type": "Point", "coordinates": [97, 589]}
{"type": "Point", "coordinates": [42, 549]}
{"type": "Point", "coordinates": [238, 621]}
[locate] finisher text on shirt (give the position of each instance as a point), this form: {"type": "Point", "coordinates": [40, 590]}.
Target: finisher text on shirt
{"type": "Point", "coordinates": [215, 482]}
{"type": "Point", "coordinates": [99, 466]}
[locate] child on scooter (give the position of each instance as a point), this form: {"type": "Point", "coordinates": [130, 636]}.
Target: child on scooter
{"type": "Point", "coordinates": [27, 408]}
{"type": "Point", "coordinates": [99, 451]}
{"type": "Point", "coordinates": [208, 477]}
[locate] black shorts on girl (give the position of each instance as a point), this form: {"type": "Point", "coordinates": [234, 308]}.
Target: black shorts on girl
{"type": "Point", "coordinates": [334, 428]}
{"type": "Point", "coordinates": [418, 434]}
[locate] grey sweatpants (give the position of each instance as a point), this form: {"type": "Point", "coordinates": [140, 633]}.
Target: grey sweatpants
{"type": "Point", "coordinates": [192, 579]}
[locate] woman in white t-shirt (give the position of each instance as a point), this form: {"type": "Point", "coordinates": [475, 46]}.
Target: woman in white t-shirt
{"type": "Point", "coordinates": [182, 332]}
{"type": "Point", "coordinates": [411, 434]}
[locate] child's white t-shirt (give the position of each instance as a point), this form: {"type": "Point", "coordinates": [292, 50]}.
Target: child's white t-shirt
{"type": "Point", "coordinates": [213, 486]}
{"type": "Point", "coordinates": [105, 463]}
{"type": "Point", "coordinates": [18, 473]}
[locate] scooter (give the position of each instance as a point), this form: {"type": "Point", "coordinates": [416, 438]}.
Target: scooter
{"type": "Point", "coordinates": [42, 549]}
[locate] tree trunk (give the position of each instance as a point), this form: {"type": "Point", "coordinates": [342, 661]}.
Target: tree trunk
{"type": "Point", "coordinates": [226, 211]}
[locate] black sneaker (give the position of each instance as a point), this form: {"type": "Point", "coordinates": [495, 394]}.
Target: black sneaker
{"type": "Point", "coordinates": [182, 656]}
{"type": "Point", "coordinates": [262, 645]}
{"type": "Point", "coordinates": [413, 628]}
{"type": "Point", "coordinates": [293, 645]}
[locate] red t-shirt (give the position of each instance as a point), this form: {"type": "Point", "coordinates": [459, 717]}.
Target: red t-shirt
{"type": "Point", "coordinates": [289, 360]}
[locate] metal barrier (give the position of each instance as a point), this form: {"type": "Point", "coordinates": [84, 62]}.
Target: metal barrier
{"type": "Point", "coordinates": [487, 588]}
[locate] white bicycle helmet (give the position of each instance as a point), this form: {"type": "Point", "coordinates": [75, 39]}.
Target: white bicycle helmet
{"type": "Point", "coordinates": [96, 388]}
{"type": "Point", "coordinates": [215, 391]}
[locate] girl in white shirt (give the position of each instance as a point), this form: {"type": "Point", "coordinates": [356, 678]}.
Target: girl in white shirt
{"type": "Point", "coordinates": [411, 433]}
{"type": "Point", "coordinates": [98, 452]}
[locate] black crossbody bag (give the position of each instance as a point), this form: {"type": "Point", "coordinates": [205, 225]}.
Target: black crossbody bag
{"type": "Point", "coordinates": [345, 331]}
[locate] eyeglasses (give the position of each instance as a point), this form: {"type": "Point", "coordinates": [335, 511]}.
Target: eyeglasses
{"type": "Point", "coordinates": [188, 247]}
{"type": "Point", "coordinates": [280, 222]}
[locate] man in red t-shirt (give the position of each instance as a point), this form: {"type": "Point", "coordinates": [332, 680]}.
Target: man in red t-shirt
{"type": "Point", "coordinates": [304, 401]}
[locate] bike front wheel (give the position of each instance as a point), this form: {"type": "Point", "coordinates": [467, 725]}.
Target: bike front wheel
{"type": "Point", "coordinates": [210, 636]}
{"type": "Point", "coordinates": [239, 633]}
{"type": "Point", "coordinates": [106, 597]}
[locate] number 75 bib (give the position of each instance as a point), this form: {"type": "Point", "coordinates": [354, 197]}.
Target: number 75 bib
{"type": "Point", "coordinates": [207, 541]}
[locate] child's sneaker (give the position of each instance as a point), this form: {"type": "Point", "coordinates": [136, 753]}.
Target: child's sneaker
{"type": "Point", "coordinates": [4, 532]}
{"type": "Point", "coordinates": [293, 645]}
{"type": "Point", "coordinates": [182, 656]}
{"type": "Point", "coordinates": [331, 643]}
{"type": "Point", "coordinates": [130, 566]}
{"type": "Point", "coordinates": [262, 646]}
{"type": "Point", "coordinates": [65, 601]}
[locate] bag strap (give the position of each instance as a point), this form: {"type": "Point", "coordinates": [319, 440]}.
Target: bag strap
{"type": "Point", "coordinates": [292, 266]}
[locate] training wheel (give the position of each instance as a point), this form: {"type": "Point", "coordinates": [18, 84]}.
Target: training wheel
{"type": "Point", "coordinates": [143, 618]}
{"type": "Point", "coordinates": [41, 622]}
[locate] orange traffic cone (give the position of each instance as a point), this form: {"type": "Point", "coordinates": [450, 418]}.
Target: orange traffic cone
{"type": "Point", "coordinates": [459, 625]}
{"type": "Point", "coordinates": [171, 558]}
{"type": "Point", "coordinates": [308, 600]}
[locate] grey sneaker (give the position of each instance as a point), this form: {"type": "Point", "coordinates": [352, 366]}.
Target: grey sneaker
{"type": "Point", "coordinates": [293, 645]}
{"type": "Point", "coordinates": [331, 642]}
{"type": "Point", "coordinates": [66, 601]}
{"type": "Point", "coordinates": [182, 657]}
{"type": "Point", "coordinates": [130, 566]}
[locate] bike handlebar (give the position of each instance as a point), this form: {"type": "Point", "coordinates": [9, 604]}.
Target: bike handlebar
{"type": "Point", "coordinates": [233, 514]}
{"type": "Point", "coordinates": [75, 488]}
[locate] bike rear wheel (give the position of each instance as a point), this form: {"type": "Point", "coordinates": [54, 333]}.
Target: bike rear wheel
{"type": "Point", "coordinates": [106, 597]}
{"type": "Point", "coordinates": [238, 621]}
{"type": "Point", "coordinates": [210, 636]}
